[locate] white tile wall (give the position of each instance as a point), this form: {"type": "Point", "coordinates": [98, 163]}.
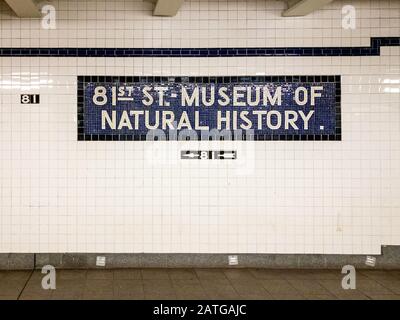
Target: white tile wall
{"type": "Point", "coordinates": [61, 195]}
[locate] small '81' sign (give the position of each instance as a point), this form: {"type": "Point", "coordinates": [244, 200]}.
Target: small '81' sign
{"type": "Point", "coordinates": [30, 98]}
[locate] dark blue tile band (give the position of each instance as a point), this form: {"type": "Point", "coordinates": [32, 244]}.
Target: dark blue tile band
{"type": "Point", "coordinates": [373, 50]}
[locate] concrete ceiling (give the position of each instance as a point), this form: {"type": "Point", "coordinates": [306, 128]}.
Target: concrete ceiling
{"type": "Point", "coordinates": [296, 8]}
{"type": "Point", "coordinates": [169, 8]}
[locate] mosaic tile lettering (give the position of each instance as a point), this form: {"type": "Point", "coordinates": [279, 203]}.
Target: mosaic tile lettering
{"type": "Point", "coordinates": [209, 108]}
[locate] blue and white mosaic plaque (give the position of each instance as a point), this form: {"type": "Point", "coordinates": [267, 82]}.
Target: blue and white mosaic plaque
{"type": "Point", "coordinates": [207, 108]}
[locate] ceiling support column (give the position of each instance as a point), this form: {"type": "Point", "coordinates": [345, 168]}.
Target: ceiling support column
{"type": "Point", "coordinates": [298, 8]}
{"type": "Point", "coordinates": [24, 8]}
{"type": "Point", "coordinates": [167, 8]}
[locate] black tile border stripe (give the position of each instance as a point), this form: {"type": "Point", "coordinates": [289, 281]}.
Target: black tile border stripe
{"type": "Point", "coordinates": [372, 50]}
{"type": "Point", "coordinates": [81, 80]}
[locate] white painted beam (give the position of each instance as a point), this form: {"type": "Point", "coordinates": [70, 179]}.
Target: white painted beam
{"type": "Point", "coordinates": [298, 8]}
{"type": "Point", "coordinates": [24, 8]}
{"type": "Point", "coordinates": [167, 8]}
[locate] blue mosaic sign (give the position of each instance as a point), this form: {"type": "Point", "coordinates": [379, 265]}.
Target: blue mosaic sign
{"type": "Point", "coordinates": [207, 108]}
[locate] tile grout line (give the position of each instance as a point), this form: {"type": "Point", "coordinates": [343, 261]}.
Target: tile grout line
{"type": "Point", "coordinates": [203, 287]}
{"type": "Point", "coordinates": [231, 284]}
{"type": "Point", "coordinates": [26, 283]}
{"type": "Point", "coordinates": [30, 276]}
{"type": "Point", "coordinates": [383, 285]}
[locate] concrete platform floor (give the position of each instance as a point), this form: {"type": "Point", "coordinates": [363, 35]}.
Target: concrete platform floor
{"type": "Point", "coordinates": [200, 284]}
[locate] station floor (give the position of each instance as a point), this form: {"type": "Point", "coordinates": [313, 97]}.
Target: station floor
{"type": "Point", "coordinates": [198, 284]}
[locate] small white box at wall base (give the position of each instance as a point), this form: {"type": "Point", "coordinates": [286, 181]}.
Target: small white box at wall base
{"type": "Point", "coordinates": [100, 261]}
{"type": "Point", "coordinates": [370, 261]}
{"type": "Point", "coordinates": [233, 260]}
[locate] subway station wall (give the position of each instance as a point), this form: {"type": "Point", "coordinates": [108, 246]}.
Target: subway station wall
{"type": "Point", "coordinates": [66, 192]}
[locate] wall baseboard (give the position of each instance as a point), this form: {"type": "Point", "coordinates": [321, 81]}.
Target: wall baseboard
{"type": "Point", "coordinates": [388, 259]}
